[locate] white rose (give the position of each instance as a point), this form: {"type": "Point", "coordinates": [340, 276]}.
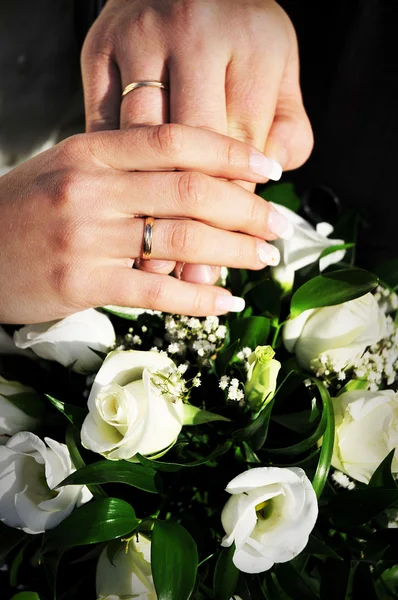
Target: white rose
{"type": "Point", "coordinates": [336, 335]}
{"type": "Point", "coordinates": [71, 340]}
{"type": "Point", "coordinates": [12, 418]}
{"type": "Point", "coordinates": [269, 516]}
{"type": "Point", "coordinates": [304, 248]}
{"type": "Point", "coordinates": [127, 412]}
{"type": "Point", "coordinates": [129, 575]}
{"type": "Point", "coordinates": [366, 432]}
{"type": "Point", "coordinates": [29, 470]}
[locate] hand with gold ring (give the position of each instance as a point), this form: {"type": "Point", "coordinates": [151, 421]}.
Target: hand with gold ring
{"type": "Point", "coordinates": [230, 66]}
{"type": "Point", "coordinates": [74, 219]}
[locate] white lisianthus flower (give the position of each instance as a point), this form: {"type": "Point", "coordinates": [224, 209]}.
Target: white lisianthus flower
{"type": "Point", "coordinates": [269, 516]}
{"type": "Point", "coordinates": [129, 575]}
{"type": "Point", "coordinates": [304, 248]}
{"type": "Point", "coordinates": [30, 470]}
{"type": "Point", "coordinates": [366, 431]}
{"type": "Point", "coordinates": [336, 334]}
{"type": "Point", "coordinates": [7, 345]}
{"type": "Point", "coordinates": [128, 413]}
{"type": "Point", "coordinates": [70, 341]}
{"type": "Point", "coordinates": [12, 418]}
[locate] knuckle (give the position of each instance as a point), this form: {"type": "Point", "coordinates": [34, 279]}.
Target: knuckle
{"type": "Point", "coordinates": [184, 240]}
{"type": "Point", "coordinates": [199, 302]}
{"type": "Point", "coordinates": [67, 187]}
{"type": "Point", "coordinates": [168, 139]}
{"type": "Point", "coordinates": [153, 295]}
{"type": "Point", "coordinates": [255, 213]}
{"type": "Point", "coordinates": [192, 190]}
{"type": "Point", "coordinates": [68, 283]}
{"type": "Point", "coordinates": [233, 154]}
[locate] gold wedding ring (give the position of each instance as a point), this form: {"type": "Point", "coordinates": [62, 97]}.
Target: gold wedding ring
{"type": "Point", "coordinates": [148, 231]}
{"type": "Point", "coordinates": [137, 84]}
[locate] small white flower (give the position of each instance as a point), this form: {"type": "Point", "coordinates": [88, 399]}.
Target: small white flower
{"type": "Point", "coordinates": [269, 516]}
{"type": "Point", "coordinates": [224, 382]}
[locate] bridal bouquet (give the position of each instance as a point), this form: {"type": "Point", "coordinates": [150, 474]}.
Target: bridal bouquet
{"type": "Point", "coordinates": [250, 456]}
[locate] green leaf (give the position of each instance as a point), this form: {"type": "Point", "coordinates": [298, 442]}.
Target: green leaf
{"type": "Point", "coordinates": [388, 272]}
{"type": "Point", "coordinates": [356, 507]}
{"type": "Point", "coordinates": [121, 471]}
{"type": "Point", "coordinates": [252, 331]}
{"type": "Point", "coordinates": [124, 312]}
{"type": "Point", "coordinates": [334, 579]}
{"type": "Point", "coordinates": [99, 521]}
{"type": "Point", "coordinates": [332, 288]}
{"type": "Point", "coordinates": [26, 596]}
{"type": "Point", "coordinates": [224, 357]}
{"type": "Point", "coordinates": [317, 548]}
{"type": "Point", "coordinates": [382, 477]}
{"type": "Point", "coordinates": [9, 539]}
{"type": "Point", "coordinates": [363, 586]}
{"type": "Point", "coordinates": [266, 296]}
{"type": "Point", "coordinates": [174, 560]}
{"type": "Point", "coordinates": [256, 432]}
{"type": "Point", "coordinates": [196, 416]}
{"type": "Point", "coordinates": [293, 583]}
{"type": "Point", "coordinates": [226, 575]}
{"type": "Point", "coordinates": [74, 414]}
{"type": "Point", "coordinates": [16, 563]}
{"type": "Point", "coordinates": [171, 467]}
{"type": "Point", "coordinates": [29, 402]}
{"type": "Point", "coordinates": [77, 460]}
{"type": "Point", "coordinates": [354, 384]}
{"type": "Point", "coordinates": [305, 444]}
{"type": "Point", "coordinates": [325, 457]}
{"type": "Point", "coordinates": [336, 248]}
{"type": "Point", "coordinates": [282, 193]}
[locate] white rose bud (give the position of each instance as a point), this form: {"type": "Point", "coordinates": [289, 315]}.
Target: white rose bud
{"type": "Point", "coordinates": [339, 334]}
{"type": "Point", "coordinates": [366, 432]}
{"type": "Point", "coordinates": [269, 516]}
{"type": "Point", "coordinates": [29, 470]}
{"type": "Point", "coordinates": [70, 341]}
{"type": "Point", "coordinates": [127, 412]}
{"type": "Point", "coordinates": [304, 248]}
{"type": "Point", "coordinates": [129, 575]}
{"type": "Point", "coordinates": [12, 418]}
{"type": "Point", "coordinates": [261, 378]}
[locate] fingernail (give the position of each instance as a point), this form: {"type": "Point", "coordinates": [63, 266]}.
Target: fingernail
{"type": "Point", "coordinates": [280, 225]}
{"type": "Point", "coordinates": [268, 254]}
{"type": "Point", "coordinates": [198, 274]}
{"type": "Point", "coordinates": [230, 303]}
{"type": "Point", "coordinates": [264, 166]}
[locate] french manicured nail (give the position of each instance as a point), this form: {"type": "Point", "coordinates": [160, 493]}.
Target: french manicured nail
{"type": "Point", "coordinates": [229, 303]}
{"type": "Point", "coordinates": [280, 225]}
{"type": "Point", "coordinates": [264, 166]}
{"type": "Point", "coordinates": [198, 274]}
{"type": "Point", "coordinates": [268, 254]}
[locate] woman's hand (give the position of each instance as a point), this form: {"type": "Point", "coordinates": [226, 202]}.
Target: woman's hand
{"type": "Point", "coordinates": [71, 223]}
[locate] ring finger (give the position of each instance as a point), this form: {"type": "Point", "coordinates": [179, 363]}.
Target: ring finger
{"type": "Point", "coordinates": [189, 241]}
